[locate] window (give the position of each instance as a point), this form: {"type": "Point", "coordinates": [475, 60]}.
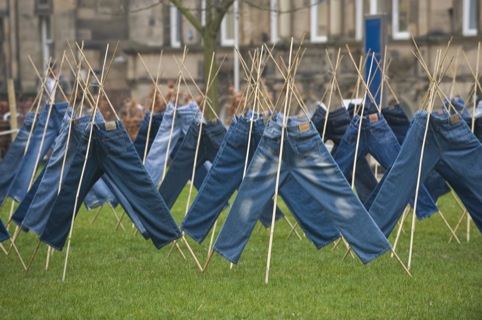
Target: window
{"type": "Point", "coordinates": [175, 16]}
{"type": "Point", "coordinates": [376, 6]}
{"type": "Point", "coordinates": [227, 28]}
{"type": "Point", "coordinates": [359, 19]}
{"type": "Point", "coordinates": [469, 19]}
{"type": "Point", "coordinates": [400, 16]}
{"type": "Point", "coordinates": [319, 21]}
{"type": "Point", "coordinates": [274, 22]}
{"type": "Point", "coordinates": [46, 38]}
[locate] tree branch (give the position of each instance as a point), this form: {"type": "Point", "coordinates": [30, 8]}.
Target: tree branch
{"type": "Point", "coordinates": [221, 12]}
{"type": "Point", "coordinates": [188, 15]}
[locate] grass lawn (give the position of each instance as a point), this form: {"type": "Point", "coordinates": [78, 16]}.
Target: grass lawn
{"type": "Point", "coordinates": [117, 274]}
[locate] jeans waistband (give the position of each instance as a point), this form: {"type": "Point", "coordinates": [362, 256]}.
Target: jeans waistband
{"type": "Point", "coordinates": [369, 119]}
{"type": "Point", "coordinates": [437, 120]}
{"type": "Point", "coordinates": [243, 124]}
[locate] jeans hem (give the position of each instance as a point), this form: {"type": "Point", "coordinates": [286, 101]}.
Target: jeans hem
{"type": "Point", "coordinates": [324, 244]}
{"type": "Point", "coordinates": [377, 255]}
{"type": "Point", "coordinates": [225, 257]}
{"type": "Point", "coordinates": [164, 243]}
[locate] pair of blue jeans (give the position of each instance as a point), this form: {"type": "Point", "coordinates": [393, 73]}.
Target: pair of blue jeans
{"type": "Point", "coordinates": [179, 125]}
{"type": "Point", "coordinates": [336, 125]}
{"type": "Point", "coordinates": [306, 159]}
{"type": "Point", "coordinates": [111, 152]}
{"type": "Point", "coordinates": [37, 150]}
{"type": "Point", "coordinates": [397, 120]}
{"type": "Point", "coordinates": [399, 123]}
{"type": "Point", "coordinates": [449, 141]}
{"type": "Point", "coordinates": [12, 160]}
{"type": "Point", "coordinates": [181, 168]}
{"type": "Point", "coordinates": [376, 138]}
{"type": "Point", "coordinates": [33, 212]}
{"type": "Point", "coordinates": [225, 177]}
{"type": "Point", "coordinates": [101, 192]}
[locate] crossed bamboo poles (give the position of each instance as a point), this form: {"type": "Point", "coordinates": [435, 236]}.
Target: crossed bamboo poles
{"type": "Point", "coordinates": [289, 87]}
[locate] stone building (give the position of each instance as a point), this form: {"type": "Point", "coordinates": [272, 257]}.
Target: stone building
{"type": "Point", "coordinates": [42, 29]}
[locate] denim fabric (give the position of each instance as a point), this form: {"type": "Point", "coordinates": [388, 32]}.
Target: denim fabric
{"type": "Point", "coordinates": [337, 123]}
{"type": "Point", "coordinates": [119, 197]}
{"type": "Point", "coordinates": [449, 140]}
{"type": "Point", "coordinates": [100, 192]}
{"type": "Point", "coordinates": [399, 123]}
{"type": "Point", "coordinates": [397, 120]}
{"type": "Point", "coordinates": [306, 159]}
{"type": "Point", "coordinates": [225, 177]}
{"type": "Point", "coordinates": [11, 162]}
{"type": "Point", "coordinates": [99, 195]}
{"type": "Point", "coordinates": [21, 183]}
{"type": "Point", "coordinates": [376, 138]}
{"type": "Point", "coordinates": [180, 170]}
{"type": "Point", "coordinates": [157, 155]}
{"type": "Point", "coordinates": [33, 211]}
{"type": "Point", "coordinates": [141, 138]}
{"type": "Point", "coordinates": [4, 235]}
{"type": "Point", "coordinates": [113, 153]}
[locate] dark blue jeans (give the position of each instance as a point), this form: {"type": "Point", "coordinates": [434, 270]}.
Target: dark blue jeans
{"type": "Point", "coordinates": [33, 211]}
{"type": "Point", "coordinates": [141, 138]}
{"type": "Point", "coordinates": [10, 164]}
{"type": "Point", "coordinates": [21, 183]}
{"type": "Point", "coordinates": [376, 138]}
{"type": "Point", "coordinates": [112, 153]}
{"type": "Point", "coordinates": [180, 170]}
{"type": "Point", "coordinates": [337, 124]}
{"type": "Point", "coordinates": [225, 177]}
{"type": "Point", "coordinates": [449, 140]}
{"type": "Point", "coordinates": [399, 123]}
{"type": "Point", "coordinates": [4, 235]}
{"type": "Point", "coordinates": [306, 159]}
{"type": "Point", "coordinates": [101, 192]}
{"type": "Point", "coordinates": [397, 120]}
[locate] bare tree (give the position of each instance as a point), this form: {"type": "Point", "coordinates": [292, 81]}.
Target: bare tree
{"type": "Point", "coordinates": [215, 12]}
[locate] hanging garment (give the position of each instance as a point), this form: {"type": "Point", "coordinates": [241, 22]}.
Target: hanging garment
{"type": "Point", "coordinates": [10, 164]}
{"type": "Point", "coordinates": [43, 192]}
{"type": "Point", "coordinates": [4, 235]}
{"type": "Point", "coordinates": [225, 177]}
{"type": "Point", "coordinates": [141, 138]}
{"type": "Point", "coordinates": [306, 159]}
{"type": "Point", "coordinates": [20, 185]}
{"type": "Point", "coordinates": [398, 121]}
{"type": "Point", "coordinates": [157, 155]}
{"type": "Point", "coordinates": [449, 140]}
{"type": "Point", "coordinates": [180, 170]}
{"type": "Point", "coordinates": [376, 138]}
{"type": "Point", "coordinates": [33, 212]}
{"type": "Point", "coordinates": [111, 152]}
{"type": "Point", "coordinates": [101, 193]}
{"type": "Point", "coordinates": [337, 123]}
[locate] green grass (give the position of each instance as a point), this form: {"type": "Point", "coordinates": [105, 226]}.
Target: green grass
{"type": "Point", "coordinates": [117, 274]}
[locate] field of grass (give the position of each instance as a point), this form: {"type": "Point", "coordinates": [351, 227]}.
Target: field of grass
{"type": "Point", "coordinates": [117, 274]}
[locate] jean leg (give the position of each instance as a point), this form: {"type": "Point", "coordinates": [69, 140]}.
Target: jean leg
{"type": "Point", "coordinates": [400, 183]}
{"type": "Point", "coordinates": [11, 162]}
{"type": "Point", "coordinates": [254, 192]}
{"type": "Point", "coordinates": [119, 156]}
{"type": "Point", "coordinates": [59, 221]}
{"type": "Point", "coordinates": [316, 224]}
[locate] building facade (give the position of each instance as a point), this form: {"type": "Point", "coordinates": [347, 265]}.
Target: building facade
{"type": "Point", "coordinates": [43, 29]}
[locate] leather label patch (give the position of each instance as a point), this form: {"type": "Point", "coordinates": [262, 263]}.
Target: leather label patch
{"type": "Point", "coordinates": [305, 126]}
{"type": "Point", "coordinates": [110, 125]}
{"type": "Point", "coordinates": [373, 117]}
